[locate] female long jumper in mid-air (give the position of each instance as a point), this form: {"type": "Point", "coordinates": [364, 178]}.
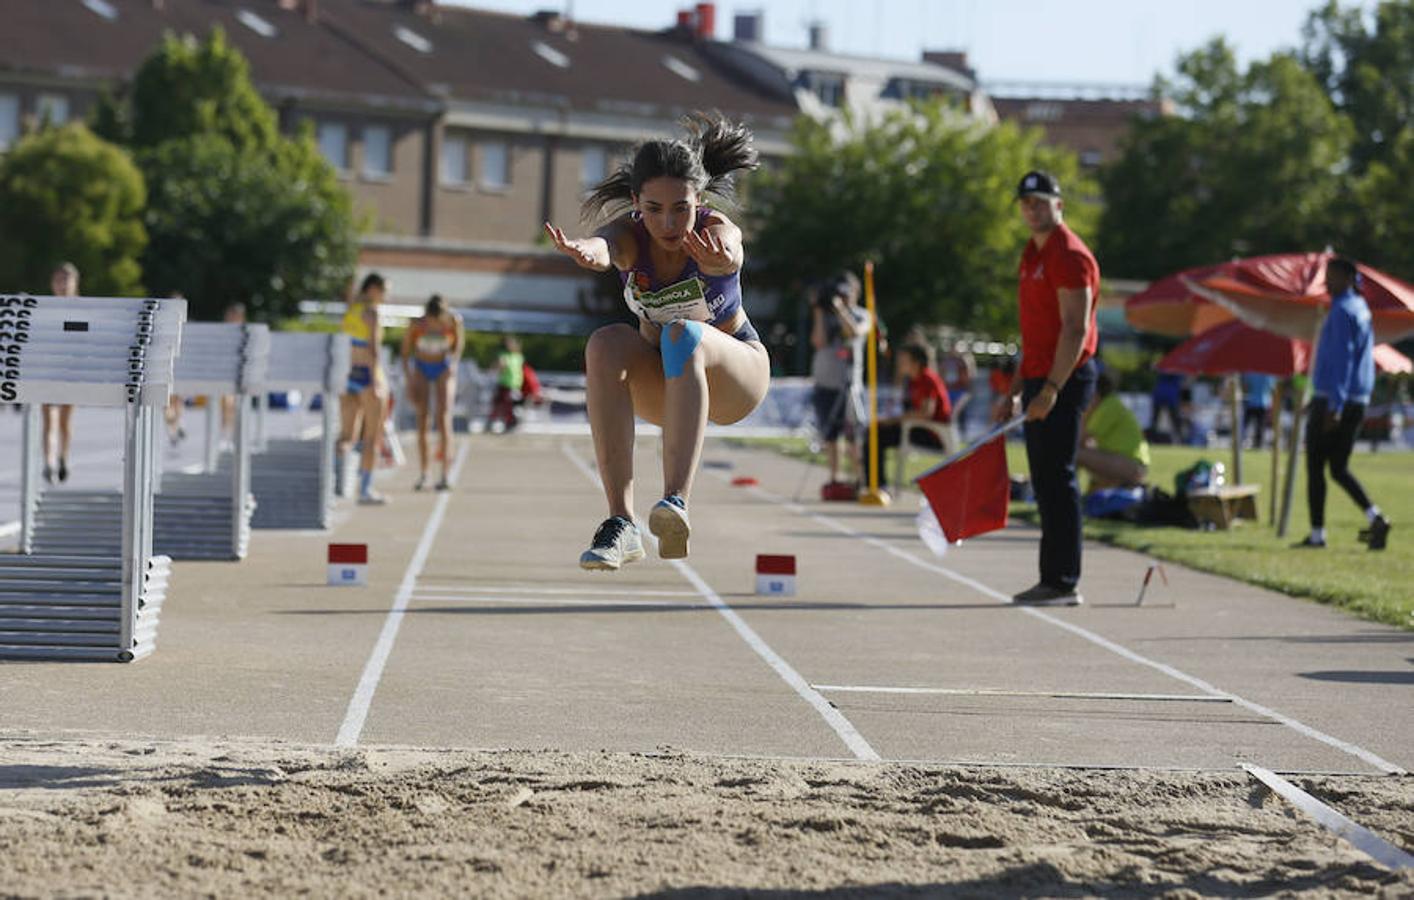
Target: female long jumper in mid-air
{"type": "Point", "coordinates": [694, 355]}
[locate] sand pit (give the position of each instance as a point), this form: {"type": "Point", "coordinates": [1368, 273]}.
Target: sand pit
{"type": "Point", "coordinates": [83, 817]}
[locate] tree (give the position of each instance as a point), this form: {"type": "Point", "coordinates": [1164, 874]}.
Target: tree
{"type": "Point", "coordinates": [1251, 164]}
{"type": "Point", "coordinates": [924, 193]}
{"type": "Point", "coordinates": [238, 211]}
{"type": "Point", "coordinates": [1366, 64]}
{"type": "Point", "coordinates": [66, 195]}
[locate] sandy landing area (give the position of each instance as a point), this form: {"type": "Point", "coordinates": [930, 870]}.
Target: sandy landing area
{"type": "Point", "coordinates": [129, 818]}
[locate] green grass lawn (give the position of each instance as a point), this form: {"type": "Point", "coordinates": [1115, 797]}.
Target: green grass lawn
{"type": "Point", "coordinates": [1374, 585]}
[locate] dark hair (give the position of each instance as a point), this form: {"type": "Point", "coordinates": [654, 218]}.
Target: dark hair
{"type": "Point", "coordinates": [436, 305]}
{"type": "Point", "coordinates": [921, 353]}
{"type": "Point", "coordinates": [372, 280]}
{"type": "Point", "coordinates": [714, 150]}
{"type": "Point", "coordinates": [1105, 384]}
{"type": "Point", "coordinates": [1344, 266]}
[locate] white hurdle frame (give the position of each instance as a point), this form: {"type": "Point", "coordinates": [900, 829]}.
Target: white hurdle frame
{"type": "Point", "coordinates": [315, 363]}
{"type": "Point", "coordinates": [92, 351]}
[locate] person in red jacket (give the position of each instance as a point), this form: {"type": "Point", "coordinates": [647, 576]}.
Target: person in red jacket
{"type": "Point", "coordinates": [927, 401]}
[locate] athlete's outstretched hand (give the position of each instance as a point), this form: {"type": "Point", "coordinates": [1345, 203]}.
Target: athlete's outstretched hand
{"type": "Point", "coordinates": [589, 253]}
{"type": "Point", "coordinates": [710, 253]}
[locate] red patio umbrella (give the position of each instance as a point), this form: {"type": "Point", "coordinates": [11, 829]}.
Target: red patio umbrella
{"type": "Point", "coordinates": [1284, 293]}
{"type": "Point", "coordinates": [1238, 347]}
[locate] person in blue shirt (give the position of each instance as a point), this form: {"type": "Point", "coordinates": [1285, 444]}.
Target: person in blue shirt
{"type": "Point", "coordinates": [1343, 378]}
{"type": "Point", "coordinates": [1256, 404]}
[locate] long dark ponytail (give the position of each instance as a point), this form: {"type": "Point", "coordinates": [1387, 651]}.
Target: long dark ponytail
{"type": "Point", "coordinates": [708, 158]}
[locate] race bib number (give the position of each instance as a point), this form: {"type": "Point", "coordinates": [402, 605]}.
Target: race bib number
{"type": "Point", "coordinates": [683, 300]}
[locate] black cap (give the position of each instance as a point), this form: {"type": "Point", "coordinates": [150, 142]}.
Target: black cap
{"type": "Point", "coordinates": [1038, 183]}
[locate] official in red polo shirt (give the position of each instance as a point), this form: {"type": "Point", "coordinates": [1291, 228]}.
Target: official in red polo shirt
{"type": "Point", "coordinates": [1059, 284]}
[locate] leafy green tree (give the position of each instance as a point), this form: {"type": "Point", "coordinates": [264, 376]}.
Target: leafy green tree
{"type": "Point", "coordinates": [926, 195]}
{"type": "Point", "coordinates": [1251, 164]}
{"type": "Point", "coordinates": [66, 195]}
{"type": "Point", "coordinates": [1365, 61]}
{"type": "Point", "coordinates": [1366, 64]}
{"type": "Point", "coordinates": [238, 211]}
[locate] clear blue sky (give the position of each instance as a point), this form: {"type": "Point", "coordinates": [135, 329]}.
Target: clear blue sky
{"type": "Point", "coordinates": [1113, 41]}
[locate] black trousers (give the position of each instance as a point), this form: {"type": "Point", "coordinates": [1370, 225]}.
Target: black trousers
{"type": "Point", "coordinates": [1331, 448]}
{"type": "Point", "coordinates": [891, 435]}
{"type": "Point", "coordinates": [1050, 450]}
{"type": "Point", "coordinates": [1255, 418]}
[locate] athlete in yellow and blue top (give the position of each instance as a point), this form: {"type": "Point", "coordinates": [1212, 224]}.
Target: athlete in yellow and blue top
{"type": "Point", "coordinates": [367, 388]}
{"type": "Point", "coordinates": [432, 346]}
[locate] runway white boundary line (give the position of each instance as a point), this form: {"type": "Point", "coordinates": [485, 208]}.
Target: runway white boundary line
{"type": "Point", "coordinates": [425, 588]}
{"type": "Point", "coordinates": [606, 603]}
{"type": "Point", "coordinates": [1373, 759]}
{"type": "Point", "coordinates": [1362, 838]}
{"type": "Point", "coordinates": [362, 698]}
{"type": "Point", "coordinates": [990, 692]}
{"type": "Point", "coordinates": [833, 717]}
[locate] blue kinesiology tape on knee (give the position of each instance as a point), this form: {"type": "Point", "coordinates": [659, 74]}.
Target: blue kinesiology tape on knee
{"type": "Point", "coordinates": [676, 353]}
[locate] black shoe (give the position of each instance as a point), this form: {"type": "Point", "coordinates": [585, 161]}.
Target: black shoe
{"type": "Point", "coordinates": [420, 483]}
{"type": "Point", "coordinates": [1309, 543]}
{"type": "Point", "coordinates": [1047, 595]}
{"type": "Point", "coordinates": [63, 471]}
{"type": "Point", "coordinates": [1377, 535]}
{"type": "Point", "coordinates": [48, 475]}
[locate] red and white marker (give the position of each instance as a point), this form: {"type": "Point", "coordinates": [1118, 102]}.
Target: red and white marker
{"type": "Point", "coordinates": [348, 564]}
{"type": "Point", "coordinates": [775, 575]}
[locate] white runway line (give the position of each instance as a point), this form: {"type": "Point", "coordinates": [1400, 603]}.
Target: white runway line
{"type": "Point", "coordinates": [1362, 838]}
{"type": "Point", "coordinates": [990, 692]}
{"type": "Point", "coordinates": [532, 602]}
{"type": "Point", "coordinates": [424, 587]}
{"type": "Point", "coordinates": [357, 713]}
{"type": "Point", "coordinates": [1378, 762]}
{"type": "Point", "coordinates": [833, 717]}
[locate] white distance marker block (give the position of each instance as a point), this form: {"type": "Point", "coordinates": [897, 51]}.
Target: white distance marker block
{"type": "Point", "coordinates": [348, 565]}
{"type": "Point", "coordinates": [775, 575]}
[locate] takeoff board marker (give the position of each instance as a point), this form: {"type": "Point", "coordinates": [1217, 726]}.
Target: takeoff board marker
{"type": "Point", "coordinates": [775, 575]}
{"type": "Point", "coordinates": [348, 565]}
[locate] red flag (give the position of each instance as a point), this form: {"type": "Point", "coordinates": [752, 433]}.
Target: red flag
{"type": "Point", "coordinates": [971, 495]}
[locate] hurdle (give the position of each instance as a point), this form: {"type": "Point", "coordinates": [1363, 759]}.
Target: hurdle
{"type": "Point", "coordinates": [293, 478]}
{"type": "Point", "coordinates": [107, 352]}
{"type": "Point", "coordinates": [203, 515]}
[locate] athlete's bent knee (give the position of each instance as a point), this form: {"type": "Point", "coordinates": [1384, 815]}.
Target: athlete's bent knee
{"type": "Point", "coordinates": [680, 342]}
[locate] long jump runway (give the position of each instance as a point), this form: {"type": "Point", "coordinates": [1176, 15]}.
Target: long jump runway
{"type": "Point", "coordinates": [478, 630]}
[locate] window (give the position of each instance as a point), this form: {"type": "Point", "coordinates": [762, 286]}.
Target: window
{"type": "Point", "coordinates": [334, 144]}
{"type": "Point", "coordinates": [1043, 112]}
{"type": "Point", "coordinates": [593, 166]}
{"type": "Point", "coordinates": [495, 165]}
{"type": "Point", "coordinates": [453, 160]}
{"type": "Point", "coordinates": [52, 108]}
{"type": "Point", "coordinates": [681, 69]}
{"type": "Point", "coordinates": [377, 151]}
{"type": "Point", "coordinates": [1090, 158]}
{"type": "Point", "coordinates": [102, 8]}
{"type": "Point", "coordinates": [256, 23]}
{"type": "Point", "coordinates": [9, 120]}
{"type": "Point", "coordinates": [550, 55]}
{"type": "Point", "coordinates": [412, 39]}
{"type": "Point", "coordinates": [828, 87]}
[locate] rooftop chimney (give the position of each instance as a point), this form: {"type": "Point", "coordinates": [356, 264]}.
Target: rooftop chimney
{"type": "Point", "coordinates": [706, 21]}
{"type": "Point", "coordinates": [956, 60]}
{"type": "Point", "coordinates": [747, 27]}
{"type": "Point", "coordinates": [686, 18]}
{"type": "Point", "coordinates": [819, 35]}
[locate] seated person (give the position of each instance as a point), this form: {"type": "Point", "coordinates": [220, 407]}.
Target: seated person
{"type": "Point", "coordinates": [927, 401]}
{"type": "Point", "coordinates": [1112, 446]}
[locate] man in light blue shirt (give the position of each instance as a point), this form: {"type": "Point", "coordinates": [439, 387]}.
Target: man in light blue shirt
{"type": "Point", "coordinates": [1343, 378]}
{"type": "Point", "coordinates": [1256, 404]}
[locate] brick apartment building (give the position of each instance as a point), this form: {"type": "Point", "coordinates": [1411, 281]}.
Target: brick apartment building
{"type": "Point", "coordinates": [460, 131]}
